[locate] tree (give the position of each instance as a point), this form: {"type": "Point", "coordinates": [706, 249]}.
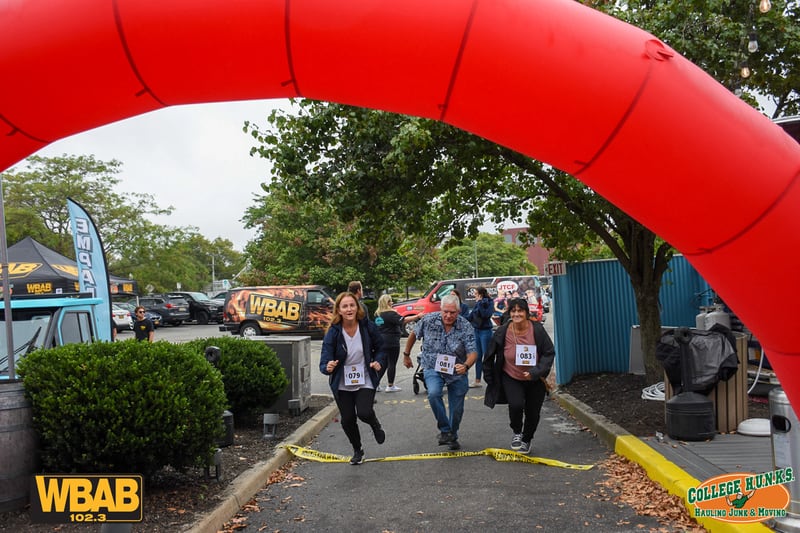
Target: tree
{"type": "Point", "coordinates": [487, 254]}
{"type": "Point", "coordinates": [305, 242]}
{"type": "Point", "coordinates": [715, 35]}
{"type": "Point", "coordinates": [162, 256]}
{"type": "Point", "coordinates": [35, 203]}
{"type": "Point", "coordinates": [441, 181]}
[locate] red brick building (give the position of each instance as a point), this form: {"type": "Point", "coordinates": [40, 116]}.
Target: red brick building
{"type": "Point", "coordinates": [536, 254]}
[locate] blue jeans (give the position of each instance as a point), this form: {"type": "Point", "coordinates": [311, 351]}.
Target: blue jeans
{"type": "Point", "coordinates": [482, 338]}
{"type": "Point", "coordinates": [456, 391]}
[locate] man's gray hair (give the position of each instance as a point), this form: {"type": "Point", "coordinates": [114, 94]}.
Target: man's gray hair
{"type": "Point", "coordinates": [450, 299]}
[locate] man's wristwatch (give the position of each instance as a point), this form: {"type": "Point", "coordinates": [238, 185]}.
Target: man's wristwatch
{"type": "Point", "coordinates": [406, 354]}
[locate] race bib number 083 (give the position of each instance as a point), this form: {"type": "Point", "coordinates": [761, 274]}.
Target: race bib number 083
{"type": "Point", "coordinates": [526, 355]}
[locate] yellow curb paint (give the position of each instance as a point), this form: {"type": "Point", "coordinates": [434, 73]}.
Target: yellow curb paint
{"type": "Point", "coordinates": [498, 454]}
{"type": "Point", "coordinates": [676, 481]}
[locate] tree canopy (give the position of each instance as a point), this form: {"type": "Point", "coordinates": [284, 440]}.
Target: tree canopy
{"type": "Point", "coordinates": [437, 181]}
{"type": "Point", "coordinates": [162, 256]}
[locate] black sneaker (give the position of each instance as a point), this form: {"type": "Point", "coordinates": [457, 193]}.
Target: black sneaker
{"type": "Point", "coordinates": [525, 447]}
{"type": "Point", "coordinates": [380, 435]}
{"type": "Point", "coordinates": [454, 445]}
{"type": "Point", "coordinates": [445, 437]}
{"type": "Point", "coordinates": [358, 457]}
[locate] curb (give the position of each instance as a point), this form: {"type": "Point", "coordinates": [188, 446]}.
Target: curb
{"type": "Point", "coordinates": [247, 484]}
{"type": "Point", "coordinates": [664, 472]}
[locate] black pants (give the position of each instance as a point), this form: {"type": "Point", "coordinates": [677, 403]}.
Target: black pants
{"type": "Point", "coordinates": [355, 405]}
{"type": "Point", "coordinates": [525, 399]}
{"type": "Point", "coordinates": [392, 351]}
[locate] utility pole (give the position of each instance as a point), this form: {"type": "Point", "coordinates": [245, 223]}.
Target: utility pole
{"type": "Point", "coordinates": [475, 247]}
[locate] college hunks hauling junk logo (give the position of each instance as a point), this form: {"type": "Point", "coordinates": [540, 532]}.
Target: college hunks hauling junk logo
{"type": "Point", "coordinates": [742, 497]}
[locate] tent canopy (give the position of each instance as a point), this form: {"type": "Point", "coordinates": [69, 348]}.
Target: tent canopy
{"type": "Point", "coordinates": [35, 269]}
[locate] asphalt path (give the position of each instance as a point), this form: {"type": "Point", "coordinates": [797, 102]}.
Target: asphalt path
{"type": "Point", "coordinates": [446, 494]}
{"type": "Point", "coordinates": [443, 494]}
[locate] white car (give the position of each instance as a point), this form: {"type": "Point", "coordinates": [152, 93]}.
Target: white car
{"type": "Point", "coordinates": [122, 318]}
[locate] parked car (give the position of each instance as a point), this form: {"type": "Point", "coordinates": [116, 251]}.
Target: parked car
{"type": "Point", "coordinates": [201, 308]}
{"type": "Point", "coordinates": [154, 317]}
{"type": "Point", "coordinates": [174, 310]}
{"type": "Point", "coordinates": [122, 318]}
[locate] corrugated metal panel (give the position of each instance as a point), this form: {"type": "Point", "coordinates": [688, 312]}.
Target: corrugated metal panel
{"type": "Point", "coordinates": [594, 310]}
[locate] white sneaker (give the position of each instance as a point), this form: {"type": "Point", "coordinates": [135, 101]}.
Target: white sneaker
{"type": "Point", "coordinates": [379, 389]}
{"type": "Point", "coordinates": [393, 388]}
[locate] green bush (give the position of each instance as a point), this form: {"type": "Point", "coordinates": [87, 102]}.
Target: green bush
{"type": "Point", "coordinates": [124, 406]}
{"type": "Point", "coordinates": [251, 371]}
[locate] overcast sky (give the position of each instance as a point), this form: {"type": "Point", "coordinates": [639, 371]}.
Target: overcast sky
{"type": "Point", "coordinates": [194, 158]}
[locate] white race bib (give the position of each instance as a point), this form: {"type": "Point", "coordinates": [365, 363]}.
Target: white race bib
{"type": "Point", "coordinates": [445, 363]}
{"type": "Point", "coordinates": [526, 355]}
{"type": "Point", "coordinates": [354, 375]}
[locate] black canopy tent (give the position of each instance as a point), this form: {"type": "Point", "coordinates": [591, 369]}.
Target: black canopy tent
{"type": "Point", "coordinates": [35, 269]}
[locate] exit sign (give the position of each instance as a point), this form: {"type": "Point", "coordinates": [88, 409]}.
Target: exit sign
{"type": "Point", "coordinates": [558, 268]}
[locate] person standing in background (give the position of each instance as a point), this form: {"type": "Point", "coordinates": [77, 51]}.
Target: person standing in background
{"type": "Point", "coordinates": [356, 288]}
{"type": "Point", "coordinates": [481, 320]}
{"type": "Point", "coordinates": [391, 325]}
{"type": "Point", "coordinates": [463, 308]}
{"type": "Point", "coordinates": [142, 326]}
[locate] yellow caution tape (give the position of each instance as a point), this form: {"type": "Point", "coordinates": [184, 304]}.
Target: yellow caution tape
{"type": "Point", "coordinates": [499, 454]}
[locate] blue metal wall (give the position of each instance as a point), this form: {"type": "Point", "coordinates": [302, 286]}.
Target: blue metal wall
{"type": "Point", "coordinates": [594, 310]}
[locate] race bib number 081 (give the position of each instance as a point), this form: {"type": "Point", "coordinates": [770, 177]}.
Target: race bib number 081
{"type": "Point", "coordinates": [445, 363]}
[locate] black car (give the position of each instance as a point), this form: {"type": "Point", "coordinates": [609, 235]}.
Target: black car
{"type": "Point", "coordinates": [201, 308]}
{"type": "Point", "coordinates": [174, 310]}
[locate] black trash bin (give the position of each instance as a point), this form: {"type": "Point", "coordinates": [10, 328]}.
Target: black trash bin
{"type": "Point", "coordinates": [695, 361]}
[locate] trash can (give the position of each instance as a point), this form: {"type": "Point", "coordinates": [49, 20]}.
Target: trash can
{"type": "Point", "coordinates": [728, 395]}
{"type": "Point", "coordinates": [785, 436]}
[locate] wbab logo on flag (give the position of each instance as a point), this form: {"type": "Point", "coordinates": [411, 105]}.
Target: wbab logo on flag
{"type": "Point", "coordinates": [86, 498]}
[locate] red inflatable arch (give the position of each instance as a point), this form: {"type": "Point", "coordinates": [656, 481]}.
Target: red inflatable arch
{"type": "Point", "coordinates": [565, 84]}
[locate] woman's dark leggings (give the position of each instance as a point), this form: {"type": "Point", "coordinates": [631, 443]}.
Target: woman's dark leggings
{"type": "Point", "coordinates": [392, 352]}
{"type": "Point", "coordinates": [355, 405]}
{"type": "Point", "coordinates": [524, 398]}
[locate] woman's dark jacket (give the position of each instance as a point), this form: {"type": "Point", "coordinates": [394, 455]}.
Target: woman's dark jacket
{"type": "Point", "coordinates": [494, 359]}
{"type": "Point", "coordinates": [483, 309]}
{"type": "Point", "coordinates": [390, 324]}
{"type": "Point", "coordinates": [334, 347]}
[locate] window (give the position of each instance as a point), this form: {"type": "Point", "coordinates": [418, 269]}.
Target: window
{"type": "Point", "coordinates": [444, 290]}
{"type": "Point", "coordinates": [76, 327]}
{"type": "Point", "coordinates": [315, 297]}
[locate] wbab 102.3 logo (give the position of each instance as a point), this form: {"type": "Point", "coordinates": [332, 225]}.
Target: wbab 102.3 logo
{"type": "Point", "coordinates": [742, 497]}
{"type": "Point", "coordinates": [86, 498]}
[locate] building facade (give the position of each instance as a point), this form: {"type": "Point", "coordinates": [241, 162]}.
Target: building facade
{"type": "Point", "coordinates": [537, 255]}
